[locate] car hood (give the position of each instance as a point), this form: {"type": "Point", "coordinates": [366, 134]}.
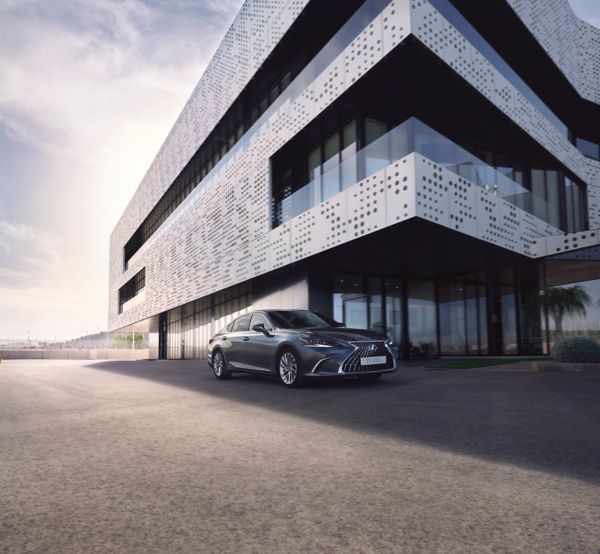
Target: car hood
{"type": "Point", "coordinates": [344, 333]}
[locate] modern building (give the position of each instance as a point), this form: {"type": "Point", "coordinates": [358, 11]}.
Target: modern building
{"type": "Point", "coordinates": [423, 167]}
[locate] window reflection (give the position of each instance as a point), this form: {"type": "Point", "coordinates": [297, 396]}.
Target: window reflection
{"type": "Point", "coordinates": [336, 164]}
{"type": "Point", "coordinates": [422, 324]}
{"type": "Point", "coordinates": [350, 301]}
{"type": "Point", "coordinates": [394, 311]}
{"type": "Point", "coordinates": [453, 338]}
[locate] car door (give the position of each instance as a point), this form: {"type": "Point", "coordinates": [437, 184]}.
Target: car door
{"type": "Point", "coordinates": [236, 353]}
{"type": "Point", "coordinates": [260, 349]}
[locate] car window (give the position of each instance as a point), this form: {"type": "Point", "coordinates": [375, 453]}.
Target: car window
{"type": "Point", "coordinates": [301, 319]}
{"type": "Point", "coordinates": [257, 319]}
{"type": "Point", "coordinates": [241, 323]}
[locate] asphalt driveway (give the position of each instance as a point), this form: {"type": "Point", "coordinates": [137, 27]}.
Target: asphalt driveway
{"type": "Point", "coordinates": [162, 457]}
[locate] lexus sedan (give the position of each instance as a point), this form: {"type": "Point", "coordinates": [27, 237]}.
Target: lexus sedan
{"type": "Point", "coordinates": [297, 345]}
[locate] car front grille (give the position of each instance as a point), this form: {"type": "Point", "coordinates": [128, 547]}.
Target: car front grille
{"type": "Point", "coordinates": [364, 350]}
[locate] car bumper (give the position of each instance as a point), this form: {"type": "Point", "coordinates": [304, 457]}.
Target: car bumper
{"type": "Point", "coordinates": [324, 374]}
{"type": "Point", "coordinates": [347, 362]}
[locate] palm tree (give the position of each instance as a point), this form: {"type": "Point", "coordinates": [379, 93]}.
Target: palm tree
{"type": "Point", "coordinates": [562, 301]}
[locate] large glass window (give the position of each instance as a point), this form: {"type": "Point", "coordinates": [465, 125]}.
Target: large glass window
{"type": "Point", "coordinates": [348, 156]}
{"type": "Point", "coordinates": [394, 303]}
{"type": "Point", "coordinates": [588, 148]}
{"type": "Point", "coordinates": [453, 338]}
{"type": "Point", "coordinates": [472, 317]}
{"type": "Point", "coordinates": [509, 320]}
{"type": "Point", "coordinates": [538, 191]}
{"type": "Point", "coordinates": [422, 318]}
{"type": "Point", "coordinates": [189, 327]}
{"type": "Point", "coordinates": [350, 301]}
{"type": "Point", "coordinates": [132, 288]}
{"type": "Point", "coordinates": [376, 304]}
{"type": "Point", "coordinates": [331, 166]}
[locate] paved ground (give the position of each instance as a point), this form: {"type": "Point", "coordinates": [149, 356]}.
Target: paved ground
{"type": "Point", "coordinates": [161, 457]}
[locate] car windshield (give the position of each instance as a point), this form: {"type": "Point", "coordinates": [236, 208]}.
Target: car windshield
{"type": "Point", "coordinates": [301, 319]}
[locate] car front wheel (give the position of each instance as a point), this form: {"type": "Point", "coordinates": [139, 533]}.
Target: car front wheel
{"type": "Point", "coordinates": [288, 369]}
{"type": "Point", "coordinates": [219, 366]}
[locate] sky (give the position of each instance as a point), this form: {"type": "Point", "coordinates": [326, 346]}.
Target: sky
{"type": "Point", "coordinates": [89, 89]}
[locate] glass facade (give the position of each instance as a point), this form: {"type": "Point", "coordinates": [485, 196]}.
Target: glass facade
{"type": "Point", "coordinates": [132, 288]}
{"type": "Point", "coordinates": [546, 194]}
{"type": "Point", "coordinates": [186, 330]}
{"type": "Point", "coordinates": [444, 316]}
{"type": "Point", "coordinates": [247, 116]}
{"type": "Point", "coordinates": [422, 321]}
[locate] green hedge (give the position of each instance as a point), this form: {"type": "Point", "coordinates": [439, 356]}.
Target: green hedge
{"type": "Point", "coordinates": [577, 350]}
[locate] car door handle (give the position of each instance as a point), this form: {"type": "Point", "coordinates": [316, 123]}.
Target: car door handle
{"type": "Point", "coordinates": [245, 339]}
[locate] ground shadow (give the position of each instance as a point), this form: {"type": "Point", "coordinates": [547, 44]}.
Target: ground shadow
{"type": "Point", "coordinates": [546, 421]}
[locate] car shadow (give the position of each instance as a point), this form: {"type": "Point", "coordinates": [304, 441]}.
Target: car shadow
{"type": "Point", "coordinates": [544, 421]}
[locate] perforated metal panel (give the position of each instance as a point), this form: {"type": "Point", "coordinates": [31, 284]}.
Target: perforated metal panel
{"type": "Point", "coordinates": [220, 235]}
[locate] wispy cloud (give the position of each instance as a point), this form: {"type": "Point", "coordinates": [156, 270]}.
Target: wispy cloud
{"type": "Point", "coordinates": [27, 257]}
{"type": "Point", "coordinates": [88, 91]}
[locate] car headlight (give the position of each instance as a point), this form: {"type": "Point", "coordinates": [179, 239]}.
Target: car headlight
{"type": "Point", "coordinates": [311, 341]}
{"type": "Point", "coordinates": [389, 342]}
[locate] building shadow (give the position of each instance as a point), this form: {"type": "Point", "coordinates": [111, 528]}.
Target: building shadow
{"type": "Point", "coordinates": [543, 421]}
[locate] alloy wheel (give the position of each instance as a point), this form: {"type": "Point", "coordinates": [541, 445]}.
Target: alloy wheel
{"type": "Point", "coordinates": [288, 368]}
{"type": "Point", "coordinates": [218, 364]}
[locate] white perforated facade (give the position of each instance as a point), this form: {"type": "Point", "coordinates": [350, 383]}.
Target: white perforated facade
{"type": "Point", "coordinates": [222, 234]}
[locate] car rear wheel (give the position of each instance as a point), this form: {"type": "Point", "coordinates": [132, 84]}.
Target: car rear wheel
{"type": "Point", "coordinates": [288, 369]}
{"type": "Point", "coordinates": [220, 366]}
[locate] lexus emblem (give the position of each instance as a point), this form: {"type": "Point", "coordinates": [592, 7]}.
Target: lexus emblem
{"type": "Point", "coordinates": [372, 347]}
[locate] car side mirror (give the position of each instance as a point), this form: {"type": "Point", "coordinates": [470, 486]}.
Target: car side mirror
{"type": "Point", "coordinates": [260, 328]}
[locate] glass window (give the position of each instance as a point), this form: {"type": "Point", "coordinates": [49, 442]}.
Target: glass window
{"type": "Point", "coordinates": [350, 301]}
{"type": "Point", "coordinates": [376, 304]}
{"type": "Point", "coordinates": [348, 156]}
{"type": "Point", "coordinates": [577, 208]}
{"type": "Point", "coordinates": [301, 319]}
{"type": "Point", "coordinates": [258, 319]}
{"type": "Point", "coordinates": [286, 80]}
{"type": "Point", "coordinates": [242, 324]}
{"type": "Point", "coordinates": [314, 176]}
{"type": "Point", "coordinates": [472, 317]}
{"type": "Point", "coordinates": [314, 164]}
{"type": "Point", "coordinates": [538, 188]}
{"type": "Point", "coordinates": [331, 169]}
{"type": "Point", "coordinates": [509, 320]}
{"type": "Point", "coordinates": [393, 310]}
{"type": "Point", "coordinates": [588, 148]}
{"type": "Point", "coordinates": [422, 321]}
{"type": "Point", "coordinates": [569, 189]}
{"type": "Point", "coordinates": [264, 104]}
{"type": "Point", "coordinates": [452, 318]}
{"type": "Point", "coordinates": [376, 154]}
{"type": "Point", "coordinates": [552, 196]}
{"type": "Point", "coordinates": [373, 130]}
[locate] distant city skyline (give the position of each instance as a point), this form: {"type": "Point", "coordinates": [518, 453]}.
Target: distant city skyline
{"type": "Point", "coordinates": [89, 91]}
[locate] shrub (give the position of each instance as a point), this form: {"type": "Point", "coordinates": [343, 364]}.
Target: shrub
{"type": "Point", "coordinates": [577, 350]}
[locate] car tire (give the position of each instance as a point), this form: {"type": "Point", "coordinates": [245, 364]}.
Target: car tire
{"type": "Point", "coordinates": [289, 371]}
{"type": "Point", "coordinates": [370, 378]}
{"type": "Point", "coordinates": [220, 366]}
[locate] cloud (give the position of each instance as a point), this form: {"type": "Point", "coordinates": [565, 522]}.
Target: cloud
{"type": "Point", "coordinates": [73, 71]}
{"type": "Point", "coordinates": [27, 257]}
{"type": "Point", "coordinates": [89, 90]}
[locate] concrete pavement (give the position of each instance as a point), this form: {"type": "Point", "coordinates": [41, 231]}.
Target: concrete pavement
{"type": "Point", "coordinates": [162, 457]}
